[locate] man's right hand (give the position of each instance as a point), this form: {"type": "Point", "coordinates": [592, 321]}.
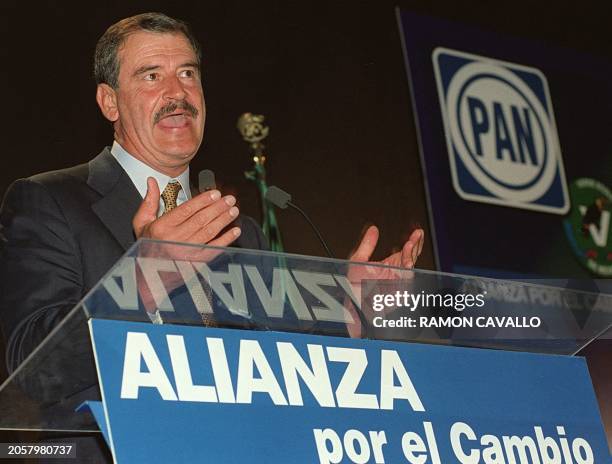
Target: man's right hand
{"type": "Point", "coordinates": [198, 221]}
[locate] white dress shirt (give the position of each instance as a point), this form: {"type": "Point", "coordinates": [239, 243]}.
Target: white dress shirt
{"type": "Point", "coordinates": [139, 172]}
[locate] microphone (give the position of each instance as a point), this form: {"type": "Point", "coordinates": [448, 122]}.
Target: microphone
{"type": "Point", "coordinates": [278, 197]}
{"type": "Point", "coordinates": [206, 180]}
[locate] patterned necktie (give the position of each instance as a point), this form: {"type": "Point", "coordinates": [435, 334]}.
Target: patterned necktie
{"type": "Point", "coordinates": [169, 195]}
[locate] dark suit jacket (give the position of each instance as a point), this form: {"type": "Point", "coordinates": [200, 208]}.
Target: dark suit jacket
{"type": "Point", "coordinates": [61, 232]}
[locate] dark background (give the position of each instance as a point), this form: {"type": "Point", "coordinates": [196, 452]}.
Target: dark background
{"type": "Point", "coordinates": [329, 76]}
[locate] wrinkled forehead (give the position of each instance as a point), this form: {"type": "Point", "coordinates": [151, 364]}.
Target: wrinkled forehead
{"type": "Point", "coordinates": [142, 46]}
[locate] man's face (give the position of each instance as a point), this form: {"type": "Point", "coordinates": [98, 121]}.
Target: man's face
{"type": "Point", "coordinates": [160, 109]}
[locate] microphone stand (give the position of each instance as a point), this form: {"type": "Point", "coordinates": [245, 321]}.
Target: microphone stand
{"type": "Point", "coordinates": [253, 132]}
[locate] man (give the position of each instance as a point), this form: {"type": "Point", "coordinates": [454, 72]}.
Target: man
{"type": "Point", "coordinates": [63, 230]}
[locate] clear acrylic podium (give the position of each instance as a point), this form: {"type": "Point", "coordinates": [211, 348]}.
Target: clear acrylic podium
{"type": "Point", "coordinates": [173, 283]}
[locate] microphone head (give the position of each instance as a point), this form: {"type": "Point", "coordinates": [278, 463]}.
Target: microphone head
{"type": "Point", "coordinates": [278, 197]}
{"type": "Point", "coordinates": [206, 180]}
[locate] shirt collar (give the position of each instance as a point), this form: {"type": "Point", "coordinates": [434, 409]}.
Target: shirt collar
{"type": "Point", "coordinates": [139, 172]}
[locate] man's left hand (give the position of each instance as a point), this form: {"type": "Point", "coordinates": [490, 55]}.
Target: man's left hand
{"type": "Point", "coordinates": [407, 257]}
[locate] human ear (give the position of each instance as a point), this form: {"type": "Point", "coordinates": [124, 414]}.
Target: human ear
{"type": "Point", "coordinates": [107, 101]}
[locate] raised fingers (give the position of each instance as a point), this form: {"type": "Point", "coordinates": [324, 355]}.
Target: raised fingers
{"type": "Point", "coordinates": [208, 254]}
{"type": "Point", "coordinates": [191, 221]}
{"type": "Point", "coordinates": [366, 246]}
{"type": "Point", "coordinates": [147, 212]}
{"type": "Point", "coordinates": [227, 238]}
{"type": "Point", "coordinates": [211, 223]}
{"type": "Point", "coordinates": [190, 208]}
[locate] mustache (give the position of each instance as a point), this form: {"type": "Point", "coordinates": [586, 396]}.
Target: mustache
{"type": "Point", "coordinates": [172, 107]}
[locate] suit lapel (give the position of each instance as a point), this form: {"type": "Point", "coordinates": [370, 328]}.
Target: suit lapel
{"type": "Point", "coordinates": [120, 199]}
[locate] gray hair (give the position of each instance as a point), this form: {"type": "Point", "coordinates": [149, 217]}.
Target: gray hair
{"type": "Point", "coordinates": [106, 63]}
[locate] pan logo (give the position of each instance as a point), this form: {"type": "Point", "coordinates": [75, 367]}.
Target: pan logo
{"type": "Point", "coordinates": [500, 131]}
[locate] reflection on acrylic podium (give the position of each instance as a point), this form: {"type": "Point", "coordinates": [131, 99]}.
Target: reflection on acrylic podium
{"type": "Point", "coordinates": [185, 353]}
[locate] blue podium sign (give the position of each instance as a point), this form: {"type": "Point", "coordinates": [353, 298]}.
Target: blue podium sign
{"type": "Point", "coordinates": [194, 394]}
